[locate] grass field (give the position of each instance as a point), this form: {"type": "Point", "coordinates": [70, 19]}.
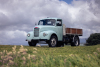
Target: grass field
{"type": "Point", "coordinates": [26, 56]}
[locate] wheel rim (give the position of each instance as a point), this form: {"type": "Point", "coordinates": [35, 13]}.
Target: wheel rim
{"type": "Point", "coordinates": [53, 42]}
{"type": "Point", "coordinates": [76, 42]}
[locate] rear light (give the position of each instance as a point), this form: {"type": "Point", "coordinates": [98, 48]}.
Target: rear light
{"type": "Point", "coordinates": [36, 27]}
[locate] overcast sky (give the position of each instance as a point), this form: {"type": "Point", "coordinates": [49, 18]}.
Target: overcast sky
{"type": "Point", "coordinates": [17, 17]}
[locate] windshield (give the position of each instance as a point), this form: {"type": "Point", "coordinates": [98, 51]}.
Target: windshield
{"type": "Point", "coordinates": [47, 22]}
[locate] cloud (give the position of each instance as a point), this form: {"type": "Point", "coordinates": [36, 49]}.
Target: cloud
{"type": "Point", "coordinates": [13, 37]}
{"type": "Point", "coordinates": [17, 17]}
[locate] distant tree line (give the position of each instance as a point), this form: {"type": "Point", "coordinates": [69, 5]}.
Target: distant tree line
{"type": "Point", "coordinates": [93, 39]}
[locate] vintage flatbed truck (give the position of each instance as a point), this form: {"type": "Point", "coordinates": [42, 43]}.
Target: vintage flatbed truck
{"type": "Point", "coordinates": [53, 32]}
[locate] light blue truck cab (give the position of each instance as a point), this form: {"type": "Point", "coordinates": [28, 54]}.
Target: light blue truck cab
{"type": "Point", "coordinates": [49, 30]}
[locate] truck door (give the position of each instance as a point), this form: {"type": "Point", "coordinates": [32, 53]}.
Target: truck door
{"type": "Point", "coordinates": [59, 29]}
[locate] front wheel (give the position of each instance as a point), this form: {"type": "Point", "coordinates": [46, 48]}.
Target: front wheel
{"type": "Point", "coordinates": [76, 41]}
{"type": "Point", "coordinates": [53, 41]}
{"type": "Point", "coordinates": [32, 43]}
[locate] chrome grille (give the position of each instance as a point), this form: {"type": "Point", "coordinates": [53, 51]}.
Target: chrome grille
{"type": "Point", "coordinates": [36, 32]}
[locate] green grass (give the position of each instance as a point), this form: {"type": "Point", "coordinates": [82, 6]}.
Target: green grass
{"type": "Point", "coordinates": [26, 56]}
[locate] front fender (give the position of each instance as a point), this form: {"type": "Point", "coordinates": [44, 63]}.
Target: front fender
{"type": "Point", "coordinates": [31, 36]}
{"type": "Point", "coordinates": [49, 33]}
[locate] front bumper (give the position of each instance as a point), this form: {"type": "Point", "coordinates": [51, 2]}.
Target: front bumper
{"type": "Point", "coordinates": [37, 40]}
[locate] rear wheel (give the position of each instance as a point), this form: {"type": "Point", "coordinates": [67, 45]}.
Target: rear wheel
{"type": "Point", "coordinates": [53, 41]}
{"type": "Point", "coordinates": [76, 41]}
{"type": "Point", "coordinates": [32, 43]}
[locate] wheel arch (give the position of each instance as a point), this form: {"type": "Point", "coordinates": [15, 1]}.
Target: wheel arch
{"type": "Point", "coordinates": [77, 36]}
{"type": "Point", "coordinates": [73, 36]}
{"type": "Point", "coordinates": [54, 35]}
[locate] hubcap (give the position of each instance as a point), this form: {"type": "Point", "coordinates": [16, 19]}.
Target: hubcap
{"type": "Point", "coordinates": [53, 41]}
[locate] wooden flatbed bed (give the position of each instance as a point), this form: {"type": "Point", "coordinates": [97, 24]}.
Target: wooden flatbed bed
{"type": "Point", "coordinates": [74, 31]}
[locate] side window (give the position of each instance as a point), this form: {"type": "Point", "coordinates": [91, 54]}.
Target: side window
{"type": "Point", "coordinates": [59, 22]}
{"type": "Point", "coordinates": [41, 23]}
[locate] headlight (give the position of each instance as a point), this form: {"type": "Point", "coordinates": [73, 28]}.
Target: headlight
{"type": "Point", "coordinates": [28, 35]}
{"type": "Point", "coordinates": [44, 34]}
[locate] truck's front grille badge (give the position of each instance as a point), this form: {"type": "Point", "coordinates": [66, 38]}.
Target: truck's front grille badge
{"type": "Point", "coordinates": [36, 32]}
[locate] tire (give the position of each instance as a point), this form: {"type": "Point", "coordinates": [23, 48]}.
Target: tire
{"type": "Point", "coordinates": [76, 41]}
{"type": "Point", "coordinates": [60, 44]}
{"type": "Point", "coordinates": [53, 41]}
{"type": "Point", "coordinates": [32, 43]}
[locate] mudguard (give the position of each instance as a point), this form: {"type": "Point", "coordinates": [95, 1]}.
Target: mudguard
{"type": "Point", "coordinates": [49, 33]}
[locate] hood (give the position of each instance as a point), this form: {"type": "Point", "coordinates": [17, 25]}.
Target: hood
{"type": "Point", "coordinates": [45, 27]}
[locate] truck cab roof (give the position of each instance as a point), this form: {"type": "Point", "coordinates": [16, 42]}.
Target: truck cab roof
{"type": "Point", "coordinates": [51, 18]}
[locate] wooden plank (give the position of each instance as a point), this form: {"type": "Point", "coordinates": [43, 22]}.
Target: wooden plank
{"type": "Point", "coordinates": [67, 30]}
{"type": "Point", "coordinates": [79, 31]}
{"type": "Point", "coordinates": [73, 31]}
